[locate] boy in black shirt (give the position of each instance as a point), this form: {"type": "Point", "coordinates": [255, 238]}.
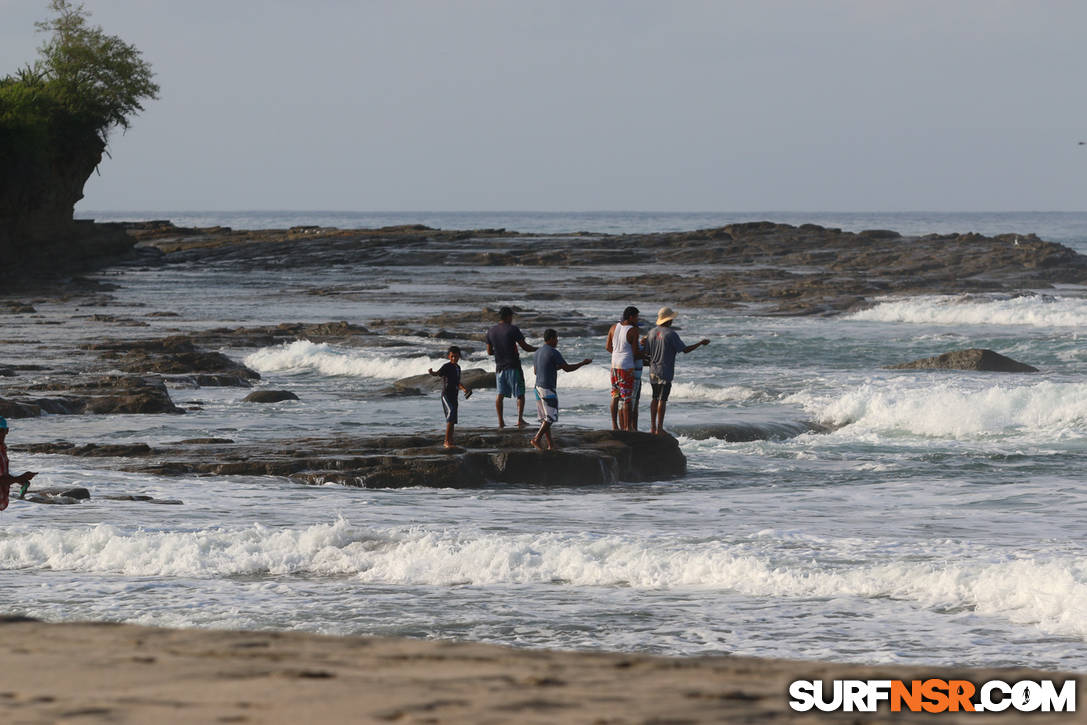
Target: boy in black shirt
{"type": "Point", "coordinates": [450, 374]}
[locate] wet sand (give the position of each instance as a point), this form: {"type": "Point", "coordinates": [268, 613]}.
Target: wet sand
{"type": "Point", "coordinates": [110, 673]}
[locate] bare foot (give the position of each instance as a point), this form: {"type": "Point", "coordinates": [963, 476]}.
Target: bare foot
{"type": "Point", "coordinates": [522, 423]}
{"type": "Point", "coordinates": [501, 426]}
{"type": "Point", "coordinates": [535, 444]}
{"type": "Point", "coordinates": [447, 444]}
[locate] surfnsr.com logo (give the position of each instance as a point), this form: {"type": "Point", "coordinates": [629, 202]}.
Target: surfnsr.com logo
{"type": "Point", "coordinates": [932, 695]}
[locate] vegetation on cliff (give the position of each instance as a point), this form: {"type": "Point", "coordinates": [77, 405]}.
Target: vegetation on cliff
{"type": "Point", "coordinates": [56, 115]}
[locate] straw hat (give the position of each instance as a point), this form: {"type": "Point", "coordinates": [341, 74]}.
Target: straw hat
{"type": "Point", "coordinates": [666, 314]}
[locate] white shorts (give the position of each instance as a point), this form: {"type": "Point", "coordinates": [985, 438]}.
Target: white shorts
{"type": "Point", "coordinates": [547, 405]}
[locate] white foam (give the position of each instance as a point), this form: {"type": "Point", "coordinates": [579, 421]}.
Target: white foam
{"type": "Point", "coordinates": [1033, 310]}
{"type": "Point", "coordinates": [598, 377]}
{"type": "Point", "coordinates": [305, 356]}
{"type": "Point", "coordinates": [1046, 593]}
{"type": "Point", "coordinates": [946, 409]}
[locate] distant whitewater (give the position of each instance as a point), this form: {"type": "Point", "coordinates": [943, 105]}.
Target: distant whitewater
{"type": "Point", "coordinates": [1032, 310]}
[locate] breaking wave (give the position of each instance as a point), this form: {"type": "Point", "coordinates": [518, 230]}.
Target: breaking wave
{"type": "Point", "coordinates": [946, 410]}
{"type": "Point", "coordinates": [1046, 593]}
{"type": "Point", "coordinates": [325, 359]}
{"type": "Point", "coordinates": [1033, 310]}
{"type": "Point", "coordinates": [305, 356]}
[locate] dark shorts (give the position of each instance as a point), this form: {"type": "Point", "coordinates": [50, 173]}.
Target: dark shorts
{"type": "Point", "coordinates": [511, 382]}
{"type": "Point", "coordinates": [450, 408]}
{"type": "Point", "coordinates": [661, 388]}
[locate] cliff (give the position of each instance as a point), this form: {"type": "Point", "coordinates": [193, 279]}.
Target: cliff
{"type": "Point", "coordinates": [39, 187]}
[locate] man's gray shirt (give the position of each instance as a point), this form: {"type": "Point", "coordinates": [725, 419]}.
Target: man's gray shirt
{"type": "Point", "coordinates": [548, 360]}
{"type": "Point", "coordinates": [664, 344]}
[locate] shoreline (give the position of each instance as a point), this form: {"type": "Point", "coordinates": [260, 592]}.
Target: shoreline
{"type": "Point", "coordinates": [106, 672]}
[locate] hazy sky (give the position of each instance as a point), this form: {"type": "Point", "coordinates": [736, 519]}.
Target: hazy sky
{"type": "Point", "coordinates": [818, 105]}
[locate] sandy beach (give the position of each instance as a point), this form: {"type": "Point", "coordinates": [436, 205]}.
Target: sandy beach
{"type": "Point", "coordinates": [129, 674]}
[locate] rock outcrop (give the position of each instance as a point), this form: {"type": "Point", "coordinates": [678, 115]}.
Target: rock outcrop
{"type": "Point", "coordinates": [176, 355]}
{"type": "Point", "coordinates": [483, 458]}
{"type": "Point", "coordinates": [38, 235]}
{"type": "Point", "coordinates": [767, 267]}
{"type": "Point", "coordinates": [269, 396]}
{"type": "Point", "coordinates": [972, 359]}
{"type": "Point", "coordinates": [101, 396]}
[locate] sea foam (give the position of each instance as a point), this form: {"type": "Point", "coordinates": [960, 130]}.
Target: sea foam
{"type": "Point", "coordinates": [1047, 593]}
{"type": "Point", "coordinates": [326, 359]}
{"type": "Point", "coordinates": [947, 410]}
{"type": "Point", "coordinates": [1033, 310]}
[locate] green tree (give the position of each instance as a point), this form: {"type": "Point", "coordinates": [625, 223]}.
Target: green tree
{"type": "Point", "coordinates": [56, 115]}
{"type": "Point", "coordinates": [98, 78]}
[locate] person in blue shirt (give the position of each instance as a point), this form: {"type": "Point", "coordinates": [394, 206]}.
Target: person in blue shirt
{"type": "Point", "coordinates": [662, 345]}
{"type": "Point", "coordinates": [548, 362]}
{"type": "Point", "coordinates": [450, 375]}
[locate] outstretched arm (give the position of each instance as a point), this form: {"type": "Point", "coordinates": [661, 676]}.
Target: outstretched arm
{"type": "Point", "coordinates": [571, 368]}
{"type": "Point", "coordinates": [691, 348]}
{"type": "Point", "coordinates": [526, 347]}
{"type": "Point", "coordinates": [467, 391]}
{"type": "Point", "coordinates": [25, 478]}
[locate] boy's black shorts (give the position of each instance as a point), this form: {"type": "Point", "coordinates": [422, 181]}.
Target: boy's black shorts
{"type": "Point", "coordinates": [450, 408]}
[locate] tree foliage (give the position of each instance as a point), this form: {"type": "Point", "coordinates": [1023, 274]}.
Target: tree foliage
{"type": "Point", "coordinates": [83, 82]}
{"type": "Point", "coordinates": [95, 76]}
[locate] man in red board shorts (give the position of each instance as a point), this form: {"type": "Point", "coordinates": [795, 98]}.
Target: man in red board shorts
{"type": "Point", "coordinates": [623, 345]}
{"type": "Point", "coordinates": [6, 479]}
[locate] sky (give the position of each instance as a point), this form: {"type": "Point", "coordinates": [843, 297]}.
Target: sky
{"type": "Point", "coordinates": [583, 105]}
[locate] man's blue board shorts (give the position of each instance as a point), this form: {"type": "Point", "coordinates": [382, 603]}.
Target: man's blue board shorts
{"type": "Point", "coordinates": [511, 383]}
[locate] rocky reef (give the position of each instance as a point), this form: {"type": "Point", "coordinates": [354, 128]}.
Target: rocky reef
{"type": "Point", "coordinates": [483, 457]}
{"type": "Point", "coordinates": [768, 267]}
{"type": "Point", "coordinates": [90, 395]}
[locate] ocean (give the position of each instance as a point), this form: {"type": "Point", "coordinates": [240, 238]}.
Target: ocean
{"type": "Point", "coordinates": [940, 520]}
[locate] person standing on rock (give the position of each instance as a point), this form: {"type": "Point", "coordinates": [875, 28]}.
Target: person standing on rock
{"type": "Point", "coordinates": [663, 344]}
{"type": "Point", "coordinates": [623, 345]}
{"type": "Point", "coordinates": [547, 363]}
{"type": "Point", "coordinates": [639, 366]}
{"type": "Point", "coordinates": [450, 375]}
{"type": "Point", "coordinates": [502, 342]}
{"type": "Point", "coordinates": [6, 479]}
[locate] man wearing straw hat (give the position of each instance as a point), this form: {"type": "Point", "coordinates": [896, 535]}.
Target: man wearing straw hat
{"type": "Point", "coordinates": [663, 345]}
{"type": "Point", "coordinates": [6, 479]}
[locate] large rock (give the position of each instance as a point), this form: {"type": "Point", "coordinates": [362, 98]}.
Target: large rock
{"type": "Point", "coordinates": [175, 355]}
{"type": "Point", "coordinates": [104, 395]}
{"type": "Point", "coordinates": [972, 359]}
{"type": "Point", "coordinates": [484, 457]}
{"type": "Point", "coordinates": [269, 396]}
{"type": "Point", "coordinates": [16, 409]}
